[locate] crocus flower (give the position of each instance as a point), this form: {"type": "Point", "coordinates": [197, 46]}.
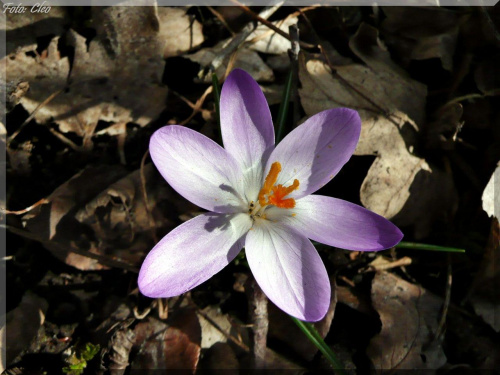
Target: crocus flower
{"type": "Point", "coordinates": [260, 197]}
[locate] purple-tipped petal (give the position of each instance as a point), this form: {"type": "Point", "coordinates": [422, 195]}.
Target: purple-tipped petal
{"type": "Point", "coordinates": [246, 125]}
{"type": "Point", "coordinates": [338, 223]}
{"type": "Point", "coordinates": [198, 168]}
{"type": "Point", "coordinates": [315, 151]}
{"type": "Point", "coordinates": [289, 270]}
{"type": "Point", "coordinates": [192, 253]}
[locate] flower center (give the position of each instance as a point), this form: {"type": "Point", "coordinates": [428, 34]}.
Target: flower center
{"type": "Point", "coordinates": [272, 194]}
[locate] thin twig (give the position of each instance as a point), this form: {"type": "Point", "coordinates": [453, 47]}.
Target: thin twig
{"type": "Point", "coordinates": [239, 38]}
{"type": "Point", "coordinates": [270, 25]}
{"type": "Point", "coordinates": [404, 261]}
{"type": "Point", "coordinates": [197, 108]}
{"type": "Point", "coordinates": [33, 114]}
{"type": "Point", "coordinates": [257, 306]}
{"type": "Point", "coordinates": [65, 140]}
{"type": "Point", "coordinates": [218, 328]}
{"type": "Point", "coordinates": [27, 209]}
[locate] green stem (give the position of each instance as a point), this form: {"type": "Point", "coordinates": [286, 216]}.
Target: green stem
{"type": "Point", "coordinates": [423, 246]}
{"type": "Point", "coordinates": [283, 112]}
{"type": "Point", "coordinates": [313, 336]}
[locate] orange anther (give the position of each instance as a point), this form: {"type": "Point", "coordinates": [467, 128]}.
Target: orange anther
{"type": "Point", "coordinates": [279, 192]}
{"type": "Point", "coordinates": [271, 179]}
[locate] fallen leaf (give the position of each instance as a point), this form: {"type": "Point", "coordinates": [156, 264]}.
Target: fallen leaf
{"type": "Point", "coordinates": [409, 316]}
{"type": "Point", "coordinates": [174, 346]}
{"type": "Point", "coordinates": [101, 210]}
{"type": "Point", "coordinates": [178, 31]}
{"type": "Point", "coordinates": [266, 40]}
{"type": "Point", "coordinates": [215, 326]}
{"type": "Point", "coordinates": [125, 58]}
{"type": "Point", "coordinates": [77, 190]}
{"type": "Point", "coordinates": [491, 194]}
{"type": "Point", "coordinates": [245, 59]}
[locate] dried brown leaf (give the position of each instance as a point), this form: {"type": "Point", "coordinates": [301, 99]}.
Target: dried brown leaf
{"type": "Point", "coordinates": [217, 327]}
{"type": "Point", "coordinates": [409, 316]}
{"type": "Point", "coordinates": [162, 346]}
{"type": "Point", "coordinates": [266, 40]}
{"type": "Point", "coordinates": [245, 59]}
{"type": "Point", "coordinates": [491, 195]}
{"type": "Point", "coordinates": [124, 59]}
{"type": "Point", "coordinates": [101, 210]}
{"type": "Point", "coordinates": [178, 31]}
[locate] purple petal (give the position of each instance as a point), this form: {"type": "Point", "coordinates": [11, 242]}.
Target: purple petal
{"type": "Point", "coordinates": [315, 151]}
{"type": "Point", "coordinates": [289, 270]}
{"type": "Point", "coordinates": [246, 124]}
{"type": "Point", "coordinates": [338, 223]}
{"type": "Point", "coordinates": [192, 253]}
{"type": "Point", "coordinates": [198, 168]}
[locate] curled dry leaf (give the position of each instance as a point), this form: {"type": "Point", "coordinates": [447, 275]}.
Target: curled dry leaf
{"type": "Point", "coordinates": [163, 346]}
{"type": "Point", "coordinates": [245, 59]}
{"type": "Point", "coordinates": [216, 327]}
{"type": "Point", "coordinates": [266, 40]}
{"type": "Point", "coordinates": [409, 316]}
{"type": "Point", "coordinates": [101, 210]}
{"type": "Point", "coordinates": [105, 76]}
{"type": "Point", "coordinates": [399, 184]}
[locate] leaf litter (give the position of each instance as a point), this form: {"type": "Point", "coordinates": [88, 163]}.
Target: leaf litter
{"type": "Point", "coordinates": [90, 94]}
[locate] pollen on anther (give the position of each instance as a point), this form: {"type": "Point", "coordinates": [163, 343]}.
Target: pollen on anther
{"type": "Point", "coordinates": [272, 194]}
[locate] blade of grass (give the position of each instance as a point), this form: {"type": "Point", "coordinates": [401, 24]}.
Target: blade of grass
{"type": "Point", "coordinates": [283, 112]}
{"type": "Point", "coordinates": [423, 246]}
{"type": "Point", "coordinates": [313, 336]}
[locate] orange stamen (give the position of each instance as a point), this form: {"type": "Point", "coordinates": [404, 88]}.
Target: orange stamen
{"type": "Point", "coordinates": [271, 179]}
{"type": "Point", "coordinates": [279, 192]}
